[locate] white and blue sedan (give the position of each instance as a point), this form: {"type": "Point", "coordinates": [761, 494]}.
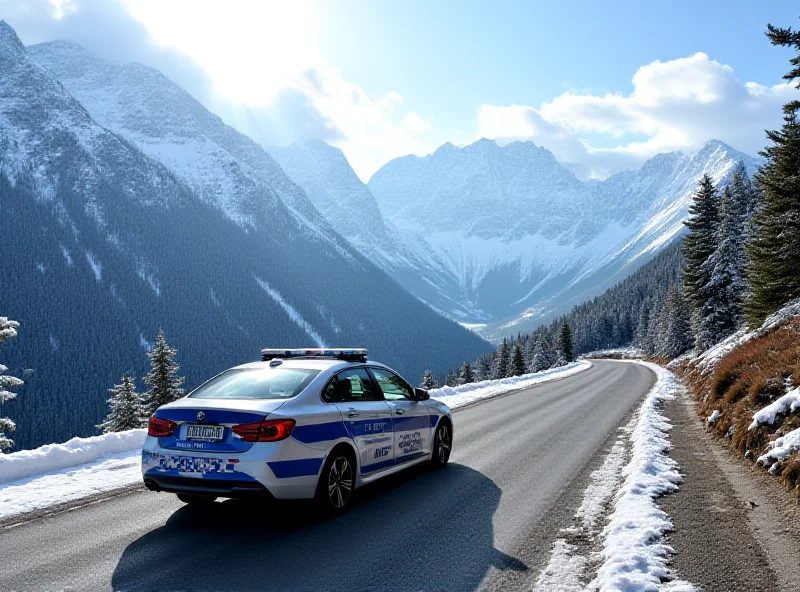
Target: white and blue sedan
{"type": "Point", "coordinates": [301, 424]}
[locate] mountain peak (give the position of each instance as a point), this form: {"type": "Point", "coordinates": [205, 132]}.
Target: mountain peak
{"type": "Point", "coordinates": [9, 41]}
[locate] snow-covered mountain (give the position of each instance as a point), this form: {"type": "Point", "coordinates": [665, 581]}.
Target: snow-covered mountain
{"type": "Point", "coordinates": [524, 236]}
{"type": "Point", "coordinates": [110, 234]}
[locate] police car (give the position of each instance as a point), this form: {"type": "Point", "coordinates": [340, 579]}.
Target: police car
{"type": "Point", "coordinates": [300, 424]}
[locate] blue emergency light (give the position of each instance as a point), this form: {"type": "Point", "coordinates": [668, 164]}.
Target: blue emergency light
{"type": "Point", "coordinates": [349, 354]}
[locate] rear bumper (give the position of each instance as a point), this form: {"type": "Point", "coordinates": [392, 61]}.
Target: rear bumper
{"type": "Point", "coordinates": [216, 487]}
{"type": "Point", "coordinates": [262, 470]}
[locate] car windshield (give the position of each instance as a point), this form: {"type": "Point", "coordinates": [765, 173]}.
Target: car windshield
{"type": "Point", "coordinates": [256, 383]}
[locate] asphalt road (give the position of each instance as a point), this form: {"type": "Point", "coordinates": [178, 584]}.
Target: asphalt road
{"type": "Point", "coordinates": [487, 521]}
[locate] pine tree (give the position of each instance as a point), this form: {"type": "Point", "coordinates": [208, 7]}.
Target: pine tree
{"type": "Point", "coordinates": [8, 329]}
{"type": "Point", "coordinates": [125, 407]}
{"type": "Point", "coordinates": [427, 380]}
{"type": "Point", "coordinates": [543, 355]}
{"type": "Point", "coordinates": [517, 366]}
{"type": "Point", "coordinates": [677, 338]}
{"type": "Point", "coordinates": [484, 367]}
{"type": "Point", "coordinates": [642, 338]}
{"type": "Point", "coordinates": [500, 369]}
{"type": "Point", "coordinates": [773, 272]}
{"type": "Point", "coordinates": [564, 344]}
{"type": "Point", "coordinates": [165, 385]}
{"type": "Point", "coordinates": [465, 376]}
{"type": "Point", "coordinates": [705, 296]}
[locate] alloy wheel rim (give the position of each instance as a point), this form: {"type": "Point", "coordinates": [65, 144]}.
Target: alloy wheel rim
{"type": "Point", "coordinates": [444, 444]}
{"type": "Point", "coordinates": [340, 482]}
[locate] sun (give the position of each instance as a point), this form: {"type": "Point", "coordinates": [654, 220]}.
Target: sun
{"type": "Point", "coordinates": [249, 48]}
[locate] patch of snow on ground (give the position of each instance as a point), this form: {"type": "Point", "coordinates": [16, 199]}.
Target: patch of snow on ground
{"type": "Point", "coordinates": [292, 312]}
{"type": "Point", "coordinates": [458, 396]}
{"type": "Point", "coordinates": [634, 551]}
{"type": "Point", "coordinates": [782, 447]}
{"type": "Point", "coordinates": [788, 402]}
{"type": "Point", "coordinates": [78, 451]}
{"type": "Point", "coordinates": [714, 416]}
{"type": "Point", "coordinates": [96, 266]}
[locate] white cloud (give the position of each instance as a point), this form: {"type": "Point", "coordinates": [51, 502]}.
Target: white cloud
{"type": "Point", "coordinates": [416, 124]}
{"type": "Point", "coordinates": [675, 105]}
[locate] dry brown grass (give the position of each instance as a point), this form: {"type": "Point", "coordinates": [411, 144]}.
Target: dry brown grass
{"type": "Point", "coordinates": [747, 379]}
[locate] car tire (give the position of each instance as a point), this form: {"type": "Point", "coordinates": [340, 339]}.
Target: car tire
{"type": "Point", "coordinates": [336, 484]}
{"type": "Point", "coordinates": [442, 445]}
{"type": "Point", "coordinates": [196, 500]}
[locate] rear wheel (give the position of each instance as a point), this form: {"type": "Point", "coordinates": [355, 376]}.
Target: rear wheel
{"type": "Point", "coordinates": [196, 500]}
{"type": "Point", "coordinates": [336, 484]}
{"type": "Point", "coordinates": [442, 444]}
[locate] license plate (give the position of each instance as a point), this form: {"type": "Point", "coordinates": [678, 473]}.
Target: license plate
{"type": "Point", "coordinates": [205, 432]}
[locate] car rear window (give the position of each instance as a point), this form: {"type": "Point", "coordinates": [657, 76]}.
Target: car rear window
{"type": "Point", "coordinates": [256, 383]}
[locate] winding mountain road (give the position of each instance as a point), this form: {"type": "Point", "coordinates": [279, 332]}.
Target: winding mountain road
{"type": "Point", "coordinates": [487, 521]}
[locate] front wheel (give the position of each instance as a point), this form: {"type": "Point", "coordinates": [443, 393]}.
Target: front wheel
{"type": "Point", "coordinates": [196, 500]}
{"type": "Point", "coordinates": [442, 444]}
{"type": "Point", "coordinates": [336, 484]}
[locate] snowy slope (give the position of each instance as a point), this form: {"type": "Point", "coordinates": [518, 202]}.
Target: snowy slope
{"type": "Point", "coordinates": [524, 236]}
{"type": "Point", "coordinates": [139, 103]}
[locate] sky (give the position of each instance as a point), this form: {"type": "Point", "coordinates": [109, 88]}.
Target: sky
{"type": "Point", "coordinates": [602, 84]}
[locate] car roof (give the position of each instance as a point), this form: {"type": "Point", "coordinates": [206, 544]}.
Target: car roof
{"type": "Point", "coordinates": [320, 364]}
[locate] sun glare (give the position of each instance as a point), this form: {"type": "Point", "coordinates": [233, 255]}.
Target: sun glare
{"type": "Point", "coordinates": [250, 49]}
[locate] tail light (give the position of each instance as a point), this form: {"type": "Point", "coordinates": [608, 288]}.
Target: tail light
{"type": "Point", "coordinates": [160, 428]}
{"type": "Point", "coordinates": [267, 430]}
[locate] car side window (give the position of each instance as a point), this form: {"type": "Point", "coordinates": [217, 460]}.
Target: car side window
{"type": "Point", "coordinates": [332, 393]}
{"type": "Point", "coordinates": [357, 385]}
{"type": "Point", "coordinates": [393, 387]}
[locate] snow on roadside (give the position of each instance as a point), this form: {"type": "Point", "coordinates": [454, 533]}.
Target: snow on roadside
{"type": "Point", "coordinates": [781, 448]}
{"type": "Point", "coordinates": [567, 566]}
{"type": "Point", "coordinates": [78, 451]}
{"type": "Point", "coordinates": [788, 402]}
{"type": "Point", "coordinates": [634, 551]}
{"type": "Point", "coordinates": [458, 396]}
{"type": "Point", "coordinates": [57, 473]}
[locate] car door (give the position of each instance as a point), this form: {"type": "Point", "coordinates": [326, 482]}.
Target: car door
{"type": "Point", "coordinates": [367, 417]}
{"type": "Point", "coordinates": [410, 418]}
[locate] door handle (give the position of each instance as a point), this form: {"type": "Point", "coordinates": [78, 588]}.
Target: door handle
{"type": "Point", "coordinates": [352, 413]}
{"type": "Point", "coordinates": [399, 411]}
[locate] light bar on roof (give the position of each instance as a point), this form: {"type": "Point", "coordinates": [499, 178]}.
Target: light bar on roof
{"type": "Point", "coordinates": [339, 353]}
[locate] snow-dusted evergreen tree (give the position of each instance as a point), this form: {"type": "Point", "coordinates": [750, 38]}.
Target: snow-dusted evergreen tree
{"type": "Point", "coordinates": [544, 356]}
{"type": "Point", "coordinates": [517, 365]}
{"type": "Point", "coordinates": [773, 272]}
{"type": "Point", "coordinates": [501, 358]}
{"type": "Point", "coordinates": [427, 380]}
{"type": "Point", "coordinates": [8, 329]}
{"type": "Point", "coordinates": [451, 379]}
{"type": "Point", "coordinates": [466, 376]}
{"type": "Point", "coordinates": [677, 337]}
{"type": "Point", "coordinates": [564, 344]}
{"type": "Point", "coordinates": [163, 379]}
{"type": "Point", "coordinates": [705, 293]}
{"type": "Point", "coordinates": [657, 327]}
{"type": "Point", "coordinates": [482, 368]}
{"type": "Point", "coordinates": [642, 338]}
{"type": "Point", "coordinates": [722, 310]}
{"type": "Point", "coordinates": [125, 407]}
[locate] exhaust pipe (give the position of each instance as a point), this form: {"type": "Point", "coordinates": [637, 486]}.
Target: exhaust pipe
{"type": "Point", "coordinates": [152, 485]}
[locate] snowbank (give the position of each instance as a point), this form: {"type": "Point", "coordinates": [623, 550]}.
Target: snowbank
{"type": "Point", "coordinates": [781, 448]}
{"type": "Point", "coordinates": [458, 396]}
{"type": "Point", "coordinates": [788, 402]}
{"type": "Point", "coordinates": [78, 451]}
{"type": "Point", "coordinates": [714, 416]}
{"type": "Point", "coordinates": [634, 551]}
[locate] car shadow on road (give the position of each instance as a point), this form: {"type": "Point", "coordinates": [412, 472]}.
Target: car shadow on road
{"type": "Point", "coordinates": [418, 530]}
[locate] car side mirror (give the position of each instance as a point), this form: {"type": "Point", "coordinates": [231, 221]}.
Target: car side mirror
{"type": "Point", "coordinates": [421, 394]}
